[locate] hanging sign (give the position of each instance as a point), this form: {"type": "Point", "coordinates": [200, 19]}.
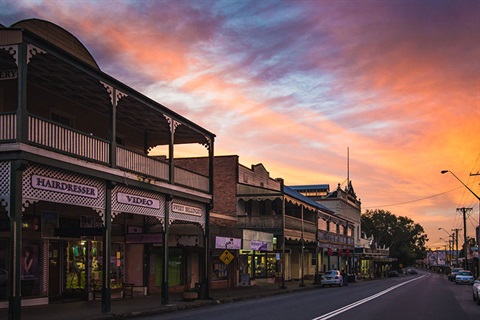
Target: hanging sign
{"type": "Point", "coordinates": [57, 185]}
{"type": "Point", "coordinates": [134, 200]}
{"type": "Point", "coordinates": [184, 209]}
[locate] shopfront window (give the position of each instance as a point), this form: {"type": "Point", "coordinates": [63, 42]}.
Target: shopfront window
{"type": "Point", "coordinates": [76, 265]}
{"type": "Point", "coordinates": [261, 264]}
{"type": "Point", "coordinates": [219, 268]}
{"type": "Point", "coordinates": [85, 261]}
{"type": "Point", "coordinates": [31, 268]}
{"type": "Point", "coordinates": [117, 263]}
{"type": "Point", "coordinates": [175, 267]}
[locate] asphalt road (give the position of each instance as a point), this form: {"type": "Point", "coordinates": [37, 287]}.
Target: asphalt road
{"type": "Point", "coordinates": [424, 296]}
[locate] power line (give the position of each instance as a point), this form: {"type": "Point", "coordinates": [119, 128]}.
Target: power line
{"type": "Point", "coordinates": [416, 200]}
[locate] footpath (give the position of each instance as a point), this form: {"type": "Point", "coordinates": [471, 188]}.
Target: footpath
{"type": "Point", "coordinates": [127, 308]}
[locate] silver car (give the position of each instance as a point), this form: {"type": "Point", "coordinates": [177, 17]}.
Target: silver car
{"type": "Point", "coordinates": [464, 276]}
{"type": "Point", "coordinates": [476, 291]}
{"type": "Point", "coordinates": [453, 274]}
{"type": "Point", "coordinates": [332, 278]}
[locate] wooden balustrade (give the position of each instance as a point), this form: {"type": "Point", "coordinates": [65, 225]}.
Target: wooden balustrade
{"type": "Point", "coordinates": [49, 135]}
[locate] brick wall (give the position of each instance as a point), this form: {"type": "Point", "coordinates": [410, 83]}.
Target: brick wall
{"type": "Point", "coordinates": [225, 180]}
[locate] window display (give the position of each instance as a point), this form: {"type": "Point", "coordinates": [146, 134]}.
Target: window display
{"type": "Point", "coordinates": [31, 268]}
{"type": "Point", "coordinates": [85, 260]}
{"type": "Point", "coordinates": [175, 265]}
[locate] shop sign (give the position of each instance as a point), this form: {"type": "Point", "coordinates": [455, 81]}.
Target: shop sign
{"type": "Point", "coordinates": [183, 209]}
{"type": "Point", "coordinates": [258, 245]}
{"type": "Point", "coordinates": [228, 243]}
{"type": "Point", "coordinates": [8, 74]}
{"type": "Point", "coordinates": [56, 185]}
{"type": "Point", "coordinates": [143, 238]}
{"type": "Point", "coordinates": [134, 200]}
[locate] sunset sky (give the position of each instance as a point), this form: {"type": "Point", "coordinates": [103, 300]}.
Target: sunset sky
{"type": "Point", "coordinates": [294, 84]}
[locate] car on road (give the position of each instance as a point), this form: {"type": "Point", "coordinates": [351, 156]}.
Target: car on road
{"type": "Point", "coordinates": [464, 276]}
{"type": "Point", "coordinates": [453, 274]}
{"type": "Point", "coordinates": [476, 291]}
{"type": "Point", "coordinates": [411, 271]}
{"type": "Point", "coordinates": [393, 273]}
{"type": "Point", "coordinates": [332, 278]}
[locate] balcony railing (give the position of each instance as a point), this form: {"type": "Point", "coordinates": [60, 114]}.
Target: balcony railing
{"type": "Point", "coordinates": [260, 222]}
{"type": "Point", "coordinates": [49, 135]}
{"type": "Point", "coordinates": [8, 126]}
{"type": "Point", "coordinates": [137, 162]}
{"type": "Point", "coordinates": [191, 179]}
{"type": "Point", "coordinates": [328, 236]}
{"type": "Point", "coordinates": [296, 224]}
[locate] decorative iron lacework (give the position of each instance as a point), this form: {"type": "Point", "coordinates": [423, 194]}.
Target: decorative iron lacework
{"type": "Point", "coordinates": [32, 194]}
{"type": "Point", "coordinates": [176, 215]}
{"type": "Point", "coordinates": [138, 209]}
{"type": "Point", "coordinates": [13, 50]}
{"type": "Point", "coordinates": [5, 184]}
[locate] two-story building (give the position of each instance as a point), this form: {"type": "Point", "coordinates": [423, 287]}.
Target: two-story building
{"type": "Point", "coordinates": [84, 208]}
{"type": "Point", "coordinates": [275, 233]}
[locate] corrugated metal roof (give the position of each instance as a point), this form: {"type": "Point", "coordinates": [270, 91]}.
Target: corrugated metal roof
{"type": "Point", "coordinates": [294, 194]}
{"type": "Point", "coordinates": [311, 187]}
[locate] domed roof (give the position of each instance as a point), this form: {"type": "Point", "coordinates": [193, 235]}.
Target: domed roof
{"type": "Point", "coordinates": [59, 37]}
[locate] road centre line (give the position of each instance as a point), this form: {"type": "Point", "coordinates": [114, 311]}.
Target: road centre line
{"type": "Point", "coordinates": [357, 303]}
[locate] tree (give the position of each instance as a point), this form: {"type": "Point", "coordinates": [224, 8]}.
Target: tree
{"type": "Point", "coordinates": [405, 238]}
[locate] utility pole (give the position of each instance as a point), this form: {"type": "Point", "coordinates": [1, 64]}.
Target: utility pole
{"type": "Point", "coordinates": [455, 237]}
{"type": "Point", "coordinates": [464, 211]}
{"type": "Point", "coordinates": [477, 231]}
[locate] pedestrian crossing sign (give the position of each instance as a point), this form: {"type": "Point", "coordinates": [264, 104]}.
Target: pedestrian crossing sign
{"type": "Point", "coordinates": [226, 257]}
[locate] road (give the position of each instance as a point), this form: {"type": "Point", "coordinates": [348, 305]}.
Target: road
{"type": "Point", "coordinates": [424, 296]}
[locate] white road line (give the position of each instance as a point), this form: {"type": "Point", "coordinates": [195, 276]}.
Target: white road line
{"type": "Point", "coordinates": [357, 303]}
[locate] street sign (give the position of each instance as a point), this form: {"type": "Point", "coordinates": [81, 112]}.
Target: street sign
{"type": "Point", "coordinates": [226, 257]}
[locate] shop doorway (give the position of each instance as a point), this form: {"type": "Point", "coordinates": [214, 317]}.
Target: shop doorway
{"type": "Point", "coordinates": [54, 270]}
{"type": "Point", "coordinates": [134, 267]}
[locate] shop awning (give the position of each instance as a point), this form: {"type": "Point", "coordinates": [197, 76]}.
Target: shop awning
{"type": "Point", "coordinates": [248, 192]}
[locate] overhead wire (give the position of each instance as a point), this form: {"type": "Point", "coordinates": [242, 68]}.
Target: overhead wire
{"type": "Point", "coordinates": [411, 201]}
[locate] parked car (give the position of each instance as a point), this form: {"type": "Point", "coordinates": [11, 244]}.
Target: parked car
{"type": "Point", "coordinates": [393, 273]}
{"type": "Point", "coordinates": [332, 278]}
{"type": "Point", "coordinates": [476, 291]}
{"type": "Point", "coordinates": [453, 274]}
{"type": "Point", "coordinates": [411, 271]}
{"type": "Point", "coordinates": [464, 276]}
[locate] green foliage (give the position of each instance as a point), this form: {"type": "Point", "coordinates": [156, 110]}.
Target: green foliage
{"type": "Point", "coordinates": [405, 238]}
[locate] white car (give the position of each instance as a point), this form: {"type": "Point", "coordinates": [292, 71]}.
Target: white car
{"type": "Point", "coordinates": [332, 278]}
{"type": "Point", "coordinates": [476, 291]}
{"type": "Point", "coordinates": [464, 276]}
{"type": "Point", "coordinates": [453, 274]}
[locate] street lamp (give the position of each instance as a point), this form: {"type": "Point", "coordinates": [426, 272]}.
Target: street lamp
{"type": "Point", "coordinates": [445, 171]}
{"type": "Point", "coordinates": [464, 222]}
{"type": "Point", "coordinates": [446, 252]}
{"type": "Point", "coordinates": [450, 247]}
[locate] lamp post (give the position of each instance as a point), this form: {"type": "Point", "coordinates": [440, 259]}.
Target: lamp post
{"type": "Point", "coordinates": [464, 221]}
{"type": "Point", "coordinates": [446, 256]}
{"type": "Point", "coordinates": [445, 171]}
{"type": "Point", "coordinates": [449, 247]}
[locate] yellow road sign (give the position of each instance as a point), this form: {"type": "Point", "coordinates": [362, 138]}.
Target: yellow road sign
{"type": "Point", "coordinates": [226, 257]}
